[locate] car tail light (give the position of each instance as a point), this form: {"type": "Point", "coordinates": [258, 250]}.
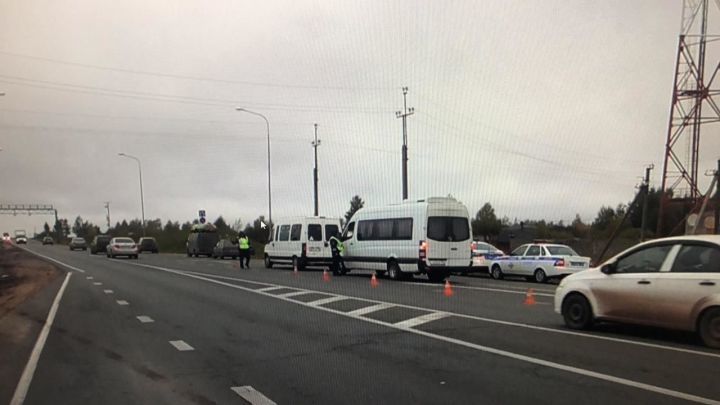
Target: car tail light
{"type": "Point", "coordinates": [116, 246]}
{"type": "Point", "coordinates": [560, 263]}
{"type": "Point", "coordinates": [423, 250]}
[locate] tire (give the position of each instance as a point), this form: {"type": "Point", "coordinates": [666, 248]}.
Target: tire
{"type": "Point", "coordinates": [540, 276]}
{"type": "Point", "coordinates": [496, 272]}
{"type": "Point", "coordinates": [576, 312]}
{"type": "Point", "coordinates": [393, 271]}
{"type": "Point", "coordinates": [268, 262]}
{"type": "Point", "coordinates": [137, 257]}
{"type": "Point", "coordinates": [709, 327]}
{"type": "Point", "coordinates": [437, 276]}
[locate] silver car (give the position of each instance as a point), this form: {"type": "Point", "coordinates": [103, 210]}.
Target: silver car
{"type": "Point", "coordinates": [122, 247]}
{"type": "Point", "coordinates": [670, 282]}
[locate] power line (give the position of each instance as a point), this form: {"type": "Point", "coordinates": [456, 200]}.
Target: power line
{"type": "Point", "coordinates": [195, 78]}
{"type": "Point", "coordinates": [74, 88]}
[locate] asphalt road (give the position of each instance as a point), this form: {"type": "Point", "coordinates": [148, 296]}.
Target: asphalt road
{"type": "Point", "coordinates": [296, 338]}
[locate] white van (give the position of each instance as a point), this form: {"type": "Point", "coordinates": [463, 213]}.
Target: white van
{"type": "Point", "coordinates": [430, 236]}
{"type": "Point", "coordinates": [301, 241]}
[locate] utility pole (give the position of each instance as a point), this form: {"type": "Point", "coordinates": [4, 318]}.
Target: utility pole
{"type": "Point", "coordinates": [646, 191]}
{"type": "Point", "coordinates": [404, 114]}
{"type": "Point", "coordinates": [315, 145]}
{"type": "Point", "coordinates": [107, 207]}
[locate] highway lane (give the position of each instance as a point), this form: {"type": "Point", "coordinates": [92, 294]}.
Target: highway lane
{"type": "Point", "coordinates": [244, 337]}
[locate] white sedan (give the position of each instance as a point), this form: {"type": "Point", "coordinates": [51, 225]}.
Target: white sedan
{"type": "Point", "coordinates": [539, 262]}
{"type": "Point", "coordinates": [670, 282]}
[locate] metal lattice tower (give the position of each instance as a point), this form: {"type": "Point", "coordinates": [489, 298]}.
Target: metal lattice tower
{"type": "Point", "coordinates": [693, 106]}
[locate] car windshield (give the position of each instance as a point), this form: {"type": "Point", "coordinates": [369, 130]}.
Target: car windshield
{"type": "Point", "coordinates": [556, 250]}
{"type": "Point", "coordinates": [123, 240]}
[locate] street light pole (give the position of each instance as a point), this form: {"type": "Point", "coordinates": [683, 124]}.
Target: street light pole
{"type": "Point", "coordinates": [267, 124]}
{"type": "Point", "coordinates": [315, 145]}
{"type": "Point", "coordinates": [142, 200]}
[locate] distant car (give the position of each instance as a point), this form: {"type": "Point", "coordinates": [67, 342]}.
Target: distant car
{"type": "Point", "coordinates": [668, 282]}
{"type": "Point", "coordinates": [122, 247]}
{"type": "Point", "coordinates": [225, 248]}
{"type": "Point", "coordinates": [47, 241]}
{"type": "Point", "coordinates": [6, 237]}
{"type": "Point", "coordinates": [482, 253]}
{"type": "Point", "coordinates": [539, 262]}
{"type": "Point", "coordinates": [99, 244]}
{"type": "Point", "coordinates": [148, 244]}
{"type": "Point", "coordinates": [77, 244]}
{"type": "Point", "coordinates": [21, 240]}
{"type": "Point", "coordinates": [201, 240]}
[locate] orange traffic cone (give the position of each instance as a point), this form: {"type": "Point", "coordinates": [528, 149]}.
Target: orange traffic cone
{"type": "Point", "coordinates": [448, 291]}
{"type": "Point", "coordinates": [326, 275]}
{"type": "Point", "coordinates": [529, 297]}
{"type": "Point", "coordinates": [373, 281]}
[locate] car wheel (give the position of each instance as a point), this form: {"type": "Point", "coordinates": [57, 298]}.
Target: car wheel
{"type": "Point", "coordinates": [576, 312]}
{"type": "Point", "coordinates": [540, 276]}
{"type": "Point", "coordinates": [709, 327]}
{"type": "Point", "coordinates": [496, 273]}
{"type": "Point", "coordinates": [393, 271]}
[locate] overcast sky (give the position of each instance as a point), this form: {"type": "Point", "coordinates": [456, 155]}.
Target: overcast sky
{"type": "Point", "coordinates": [543, 108]}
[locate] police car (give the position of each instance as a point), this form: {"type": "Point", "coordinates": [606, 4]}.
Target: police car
{"type": "Point", "coordinates": [482, 254]}
{"type": "Point", "coordinates": [539, 262]}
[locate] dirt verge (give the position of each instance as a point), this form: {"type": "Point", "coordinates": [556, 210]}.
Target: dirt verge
{"type": "Point", "coordinates": [22, 276]}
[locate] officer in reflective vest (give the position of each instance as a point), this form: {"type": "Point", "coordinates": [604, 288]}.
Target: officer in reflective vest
{"type": "Point", "coordinates": [244, 245]}
{"type": "Point", "coordinates": [337, 248]}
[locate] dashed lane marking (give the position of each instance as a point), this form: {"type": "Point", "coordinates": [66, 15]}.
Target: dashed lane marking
{"type": "Point", "coordinates": [419, 320]}
{"type": "Point", "coordinates": [181, 345]}
{"type": "Point", "coordinates": [370, 309]}
{"type": "Point", "coordinates": [144, 319]}
{"type": "Point", "coordinates": [108, 291]}
{"type": "Point", "coordinates": [324, 301]}
{"type": "Point", "coordinates": [253, 396]}
{"type": "Point", "coordinates": [122, 302]}
{"type": "Point", "coordinates": [97, 283]}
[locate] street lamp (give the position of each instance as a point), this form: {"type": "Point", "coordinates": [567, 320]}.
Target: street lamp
{"type": "Point", "coordinates": [142, 201]}
{"type": "Point", "coordinates": [267, 124]}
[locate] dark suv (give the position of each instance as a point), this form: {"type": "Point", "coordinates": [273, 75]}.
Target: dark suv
{"type": "Point", "coordinates": [148, 244]}
{"type": "Point", "coordinates": [99, 244]}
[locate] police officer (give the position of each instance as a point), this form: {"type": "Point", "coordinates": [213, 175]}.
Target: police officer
{"type": "Point", "coordinates": [244, 245]}
{"type": "Point", "coordinates": [337, 248]}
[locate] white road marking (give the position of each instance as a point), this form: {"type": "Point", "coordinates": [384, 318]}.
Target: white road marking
{"type": "Point", "coordinates": [419, 320]}
{"type": "Point", "coordinates": [54, 260]}
{"type": "Point", "coordinates": [328, 300]}
{"type": "Point", "coordinates": [253, 396]}
{"type": "Point", "coordinates": [108, 291]}
{"type": "Point", "coordinates": [503, 290]}
{"type": "Point", "coordinates": [295, 294]}
{"type": "Point", "coordinates": [97, 283]}
{"type": "Point", "coordinates": [273, 288]}
{"type": "Point", "coordinates": [181, 345]}
{"type": "Point", "coordinates": [26, 378]}
{"type": "Point", "coordinates": [144, 319]}
{"type": "Point", "coordinates": [370, 309]}
{"type": "Point", "coordinates": [122, 302]}
{"type": "Point", "coordinates": [503, 353]}
{"type": "Point", "coordinates": [89, 277]}
{"type": "Point", "coordinates": [477, 318]}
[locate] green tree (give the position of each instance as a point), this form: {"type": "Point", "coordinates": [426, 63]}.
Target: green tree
{"type": "Point", "coordinates": [578, 228]}
{"type": "Point", "coordinates": [606, 216]}
{"type": "Point", "coordinates": [486, 223]}
{"type": "Point", "coordinates": [256, 232]}
{"type": "Point", "coordinates": [355, 204]}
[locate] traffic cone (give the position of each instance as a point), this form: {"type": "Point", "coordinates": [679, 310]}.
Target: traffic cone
{"type": "Point", "coordinates": [448, 291]}
{"type": "Point", "coordinates": [373, 281]}
{"type": "Point", "coordinates": [529, 297]}
{"type": "Point", "coordinates": [326, 275]}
